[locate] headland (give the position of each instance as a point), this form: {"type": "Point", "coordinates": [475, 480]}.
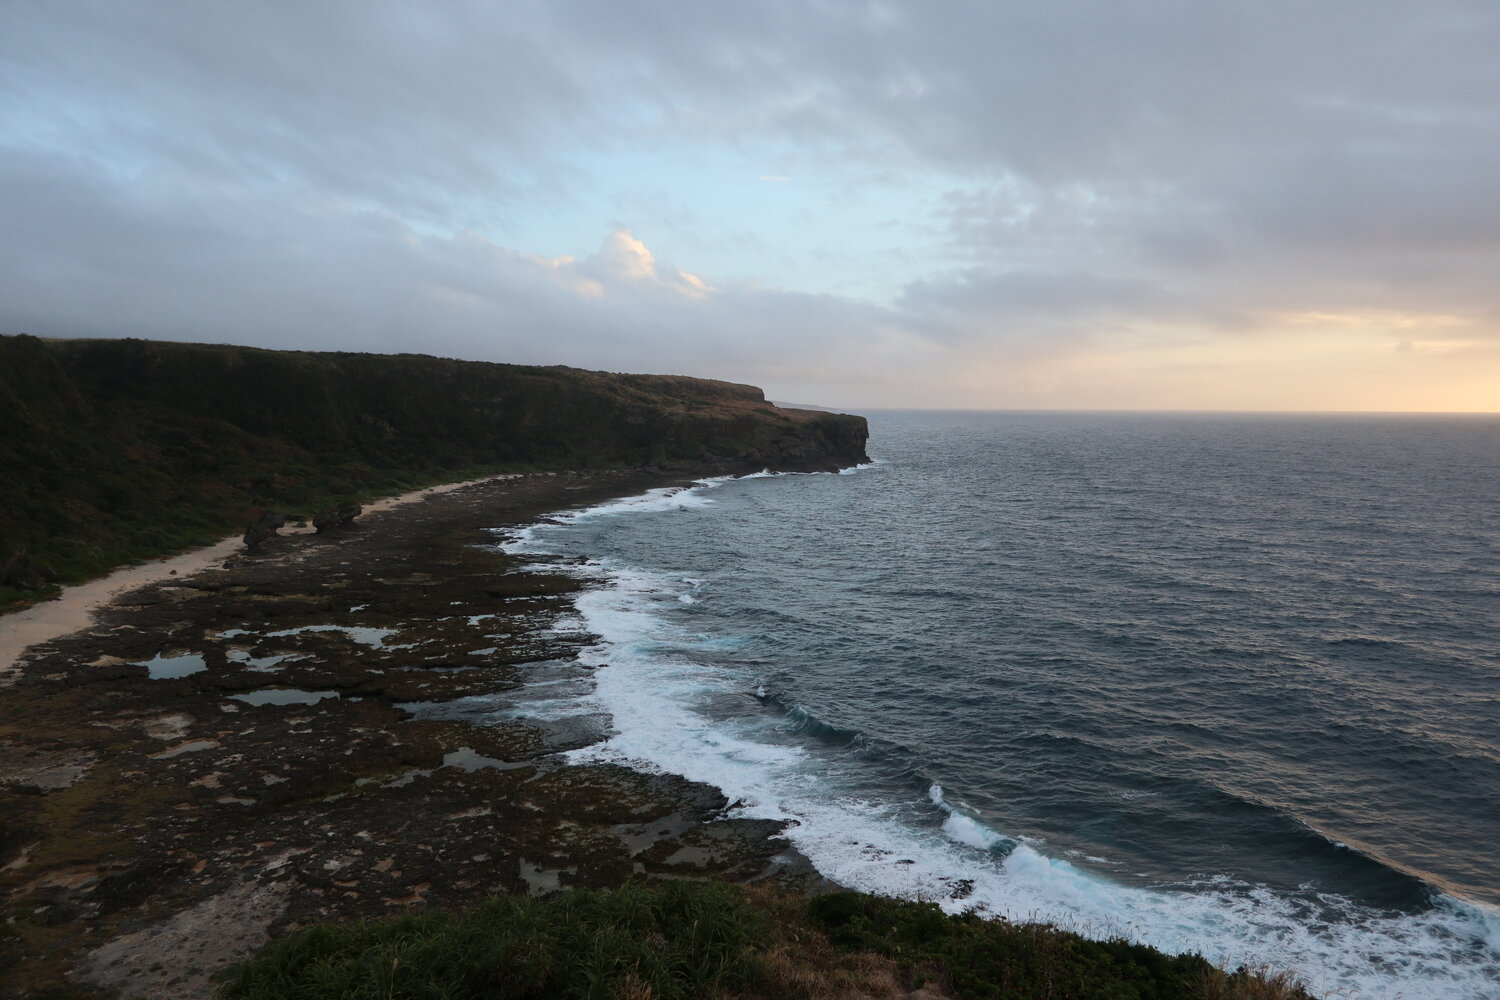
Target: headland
{"type": "Point", "coordinates": [119, 451]}
{"type": "Point", "coordinates": [207, 754]}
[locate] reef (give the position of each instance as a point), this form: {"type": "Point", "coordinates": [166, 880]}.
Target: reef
{"type": "Point", "coordinates": [318, 730]}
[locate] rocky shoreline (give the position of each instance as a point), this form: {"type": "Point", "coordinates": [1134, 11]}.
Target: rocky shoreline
{"type": "Point", "coordinates": [284, 739]}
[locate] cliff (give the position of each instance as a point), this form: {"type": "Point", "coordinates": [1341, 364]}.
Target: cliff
{"type": "Point", "coordinates": [115, 450]}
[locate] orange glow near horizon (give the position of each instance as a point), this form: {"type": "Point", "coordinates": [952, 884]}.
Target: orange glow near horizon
{"type": "Point", "coordinates": [1304, 362]}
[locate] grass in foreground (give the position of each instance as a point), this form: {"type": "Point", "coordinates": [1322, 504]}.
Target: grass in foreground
{"type": "Point", "coordinates": [687, 940]}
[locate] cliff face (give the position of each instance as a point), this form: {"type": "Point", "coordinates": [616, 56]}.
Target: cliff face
{"type": "Point", "coordinates": [119, 449]}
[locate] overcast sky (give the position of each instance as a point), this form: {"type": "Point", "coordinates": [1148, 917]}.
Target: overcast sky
{"type": "Point", "coordinates": [1060, 204]}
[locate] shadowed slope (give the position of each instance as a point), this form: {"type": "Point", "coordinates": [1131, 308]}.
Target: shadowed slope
{"type": "Point", "coordinates": [115, 450]}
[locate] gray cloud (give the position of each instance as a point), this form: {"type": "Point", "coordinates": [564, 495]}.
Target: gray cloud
{"type": "Point", "coordinates": [317, 174]}
{"type": "Point", "coordinates": [247, 269]}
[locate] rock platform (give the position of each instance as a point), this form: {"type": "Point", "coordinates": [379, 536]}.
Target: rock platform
{"type": "Point", "coordinates": [316, 731]}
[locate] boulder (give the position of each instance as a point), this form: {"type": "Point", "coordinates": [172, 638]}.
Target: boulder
{"type": "Point", "coordinates": [256, 534]}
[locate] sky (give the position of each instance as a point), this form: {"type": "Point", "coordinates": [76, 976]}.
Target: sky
{"type": "Point", "coordinates": [1165, 204]}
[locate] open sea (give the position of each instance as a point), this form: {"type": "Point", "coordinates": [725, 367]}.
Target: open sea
{"type": "Point", "coordinates": [1217, 683]}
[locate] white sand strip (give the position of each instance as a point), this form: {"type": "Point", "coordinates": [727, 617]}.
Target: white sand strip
{"type": "Point", "coordinates": [73, 609]}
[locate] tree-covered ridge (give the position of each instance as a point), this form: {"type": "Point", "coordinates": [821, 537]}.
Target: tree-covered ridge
{"type": "Point", "coordinates": [116, 450]}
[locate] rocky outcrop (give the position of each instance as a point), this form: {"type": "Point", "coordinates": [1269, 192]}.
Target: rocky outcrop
{"type": "Point", "coordinates": [255, 536]}
{"type": "Point", "coordinates": [335, 517]}
{"type": "Point", "coordinates": [825, 442]}
{"type": "Point", "coordinates": [258, 533]}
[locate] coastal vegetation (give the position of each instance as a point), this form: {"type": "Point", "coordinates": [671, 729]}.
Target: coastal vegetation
{"type": "Point", "coordinates": [119, 450]}
{"type": "Point", "coordinates": [684, 940]}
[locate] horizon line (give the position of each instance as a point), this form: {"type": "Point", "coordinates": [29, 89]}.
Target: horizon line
{"type": "Point", "coordinates": [817, 406]}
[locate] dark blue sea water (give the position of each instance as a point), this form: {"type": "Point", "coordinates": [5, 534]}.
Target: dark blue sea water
{"type": "Point", "coordinates": [1228, 684]}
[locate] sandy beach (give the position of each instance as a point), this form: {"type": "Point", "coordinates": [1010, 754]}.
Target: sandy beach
{"type": "Point", "coordinates": [73, 610]}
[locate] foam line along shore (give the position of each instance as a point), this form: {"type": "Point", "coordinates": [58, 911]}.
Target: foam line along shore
{"type": "Point", "coordinates": [679, 702]}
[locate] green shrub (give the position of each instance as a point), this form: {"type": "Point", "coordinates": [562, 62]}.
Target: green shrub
{"type": "Point", "coordinates": [675, 940]}
{"type": "Point", "coordinates": [995, 958]}
{"type": "Point", "coordinates": [663, 941]}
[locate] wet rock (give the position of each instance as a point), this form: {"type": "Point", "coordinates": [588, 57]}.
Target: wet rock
{"type": "Point", "coordinates": [40, 770]}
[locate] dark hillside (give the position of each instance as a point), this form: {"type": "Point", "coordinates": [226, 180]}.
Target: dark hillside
{"type": "Point", "coordinates": [114, 450]}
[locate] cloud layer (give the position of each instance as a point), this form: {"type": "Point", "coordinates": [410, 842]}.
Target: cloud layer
{"type": "Point", "coordinates": [1070, 204]}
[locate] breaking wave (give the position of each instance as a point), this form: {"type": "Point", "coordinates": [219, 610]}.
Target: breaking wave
{"type": "Point", "coordinates": [680, 703]}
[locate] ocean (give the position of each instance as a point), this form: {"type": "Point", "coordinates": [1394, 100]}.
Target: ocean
{"type": "Point", "coordinates": [1217, 683]}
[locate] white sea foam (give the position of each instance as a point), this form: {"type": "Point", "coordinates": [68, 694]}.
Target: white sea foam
{"type": "Point", "coordinates": [654, 690]}
{"type": "Point", "coordinates": [694, 592]}
{"type": "Point", "coordinates": [665, 498]}
{"type": "Point", "coordinates": [965, 828]}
